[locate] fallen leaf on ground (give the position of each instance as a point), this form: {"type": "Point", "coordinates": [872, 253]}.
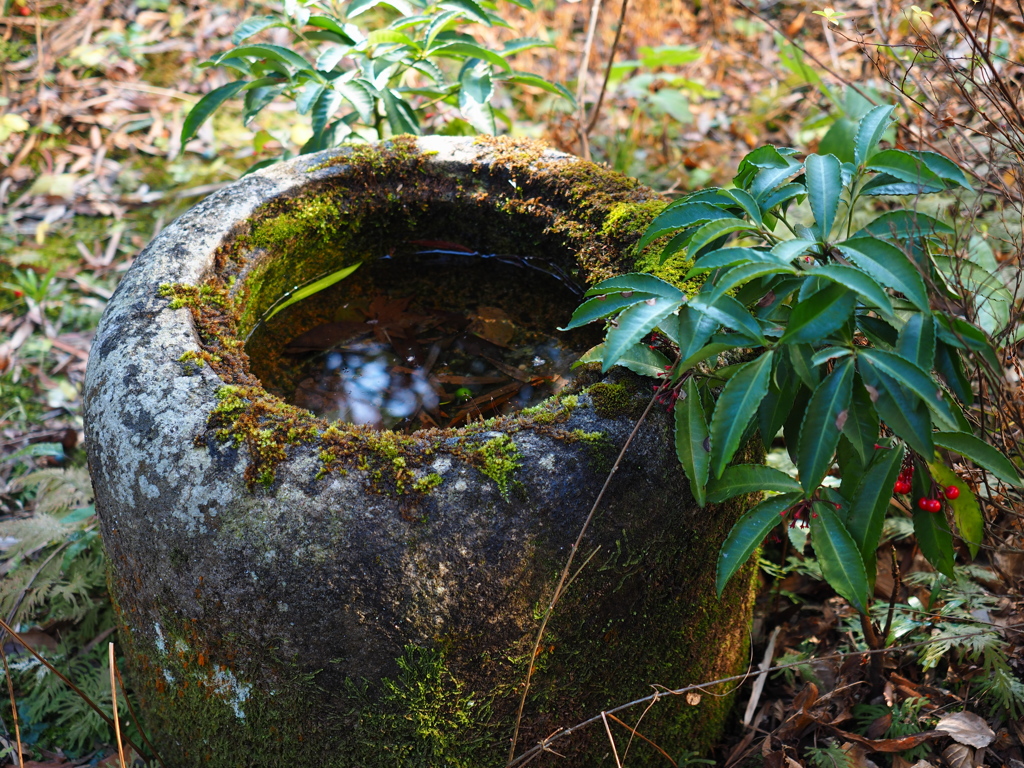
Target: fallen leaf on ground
{"type": "Point", "coordinates": [966, 728]}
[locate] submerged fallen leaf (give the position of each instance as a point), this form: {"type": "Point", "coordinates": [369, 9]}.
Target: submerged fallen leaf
{"type": "Point", "coordinates": [493, 325]}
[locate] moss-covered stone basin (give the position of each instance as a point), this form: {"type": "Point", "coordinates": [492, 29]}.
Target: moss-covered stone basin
{"type": "Point", "coordinates": [299, 592]}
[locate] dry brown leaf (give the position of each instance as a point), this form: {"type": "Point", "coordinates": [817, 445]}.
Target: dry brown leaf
{"type": "Point", "coordinates": [958, 756]}
{"type": "Point", "coordinates": [966, 728]}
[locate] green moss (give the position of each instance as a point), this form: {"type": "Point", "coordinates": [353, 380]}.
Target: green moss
{"type": "Point", "coordinates": [611, 401]}
{"type": "Point", "coordinates": [427, 483]}
{"type": "Point", "coordinates": [500, 459]}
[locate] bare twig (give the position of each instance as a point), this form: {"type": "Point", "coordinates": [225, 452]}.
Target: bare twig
{"type": "Point", "coordinates": [14, 706]}
{"type": "Point", "coordinates": [113, 704]}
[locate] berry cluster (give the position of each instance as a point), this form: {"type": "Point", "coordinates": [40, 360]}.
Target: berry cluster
{"type": "Point", "coordinates": [926, 503]}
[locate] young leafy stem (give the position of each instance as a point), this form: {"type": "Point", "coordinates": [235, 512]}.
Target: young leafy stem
{"type": "Point", "coordinates": [562, 579]}
{"type": "Point", "coordinates": [833, 343]}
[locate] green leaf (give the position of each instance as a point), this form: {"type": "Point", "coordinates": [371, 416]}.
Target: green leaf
{"type": "Point", "coordinates": [767, 179]}
{"type": "Point", "coordinates": [730, 313]}
{"type": "Point", "coordinates": [747, 203]}
{"type": "Point", "coordinates": [632, 325]}
{"type": "Point", "coordinates": [359, 6]}
{"type": "Point", "coordinates": [520, 44]}
{"type": "Point", "coordinates": [471, 50]}
{"type": "Point", "coordinates": [889, 266]}
{"type": "Point", "coordinates": [962, 335]}
{"type": "Point", "coordinates": [839, 140]}
{"type": "Point", "coordinates": [819, 315]}
{"type": "Point", "coordinates": [741, 275]}
{"type": "Point", "coordinates": [713, 230]}
{"type": "Point", "coordinates": [942, 167]}
{"type": "Point", "coordinates": [272, 52]}
{"type": "Point", "coordinates": [736, 406]}
{"type": "Point", "coordinates": [904, 224]}
{"type": "Point", "coordinates": [729, 257]}
{"type": "Point", "coordinates": [637, 281]}
{"type": "Point", "coordinates": [331, 25]}
{"type": "Point", "coordinates": [747, 534]}
{"type": "Point", "coordinates": [861, 426]}
{"type": "Point", "coordinates": [916, 341]}
{"type": "Point", "coordinates": [390, 37]}
{"type": "Point", "coordinates": [838, 554]}
{"type": "Point", "coordinates": [525, 78]}
{"type": "Point", "coordinates": [253, 25]}
{"type": "Point", "coordinates": [903, 414]}
{"type": "Point", "coordinates": [639, 358]}
{"type": "Point", "coordinates": [329, 58]}
{"type": "Point", "coordinates": [870, 130]}
{"type": "Point", "coordinates": [603, 306]}
{"type": "Point", "coordinates": [401, 117]}
{"type": "Point", "coordinates": [802, 358]}
{"type": "Point", "coordinates": [706, 351]}
{"type": "Point", "coordinates": [677, 217]}
{"type": "Point", "coordinates": [966, 511]}
{"type": "Point", "coordinates": [947, 363]}
{"type": "Point", "coordinates": [859, 282]}
{"type": "Point", "coordinates": [778, 403]}
{"type": "Point", "coordinates": [475, 91]}
{"type": "Point", "coordinates": [692, 440]}
{"type": "Point", "coordinates": [471, 8]}
{"type": "Point", "coordinates": [906, 167]}
{"type": "Point", "coordinates": [871, 501]}
{"type": "Point", "coordinates": [53, 450]}
{"type": "Point", "coordinates": [206, 107]}
{"type": "Point", "coordinates": [824, 182]}
{"type": "Point", "coordinates": [308, 96]}
{"type": "Point", "coordinates": [936, 542]}
{"type": "Point", "coordinates": [886, 184]}
{"type": "Point", "coordinates": [915, 379]}
{"type": "Point", "coordinates": [981, 453]}
{"type": "Point", "coordinates": [823, 421]}
{"type": "Point", "coordinates": [324, 109]}
{"type": "Point", "coordinates": [750, 478]}
{"type": "Point", "coordinates": [688, 329]}
{"type": "Point", "coordinates": [313, 287]}
{"type": "Point", "coordinates": [356, 93]}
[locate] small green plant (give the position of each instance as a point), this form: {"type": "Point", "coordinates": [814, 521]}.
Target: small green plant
{"type": "Point", "coordinates": [830, 335]}
{"type": "Point", "coordinates": [354, 81]}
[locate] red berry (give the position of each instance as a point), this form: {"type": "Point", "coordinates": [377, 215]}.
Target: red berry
{"type": "Point", "coordinates": [935, 506]}
{"type": "Point", "coordinates": [24, 11]}
{"type": "Point", "coordinates": [952, 492]}
{"type": "Point", "coordinates": [902, 486]}
{"type": "Point", "coordinates": [925, 504]}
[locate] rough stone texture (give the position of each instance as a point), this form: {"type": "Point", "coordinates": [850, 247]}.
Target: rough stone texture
{"type": "Point", "coordinates": [318, 620]}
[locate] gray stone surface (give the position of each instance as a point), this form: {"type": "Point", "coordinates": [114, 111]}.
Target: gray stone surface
{"type": "Point", "coordinates": [239, 591]}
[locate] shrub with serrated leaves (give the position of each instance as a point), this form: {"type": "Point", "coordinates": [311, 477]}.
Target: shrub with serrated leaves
{"type": "Point", "coordinates": [841, 346]}
{"type": "Point", "coordinates": [347, 77]}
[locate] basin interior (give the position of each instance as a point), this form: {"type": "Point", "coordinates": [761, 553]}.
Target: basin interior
{"type": "Point", "coordinates": [435, 328]}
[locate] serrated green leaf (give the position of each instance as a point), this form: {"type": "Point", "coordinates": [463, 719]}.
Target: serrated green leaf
{"type": "Point", "coordinates": [821, 314]}
{"type": "Point", "coordinates": [905, 167]}
{"type": "Point", "coordinates": [633, 324]}
{"type": "Point", "coordinates": [981, 453]}
{"type": "Point", "coordinates": [692, 440]}
{"type": "Point", "coordinates": [966, 511]}
{"type": "Point", "coordinates": [859, 282]}
{"type": "Point", "coordinates": [869, 132]}
{"type": "Point", "coordinates": [916, 341]}
{"type": "Point", "coordinates": [637, 281]}
{"type": "Point", "coordinates": [936, 542]}
{"type": "Point", "coordinates": [781, 195]}
{"type": "Point", "coordinates": [822, 356]}
{"type": "Point", "coordinates": [861, 426]}
{"type": "Point", "coordinates": [471, 8]}
{"type": "Point", "coordinates": [747, 534]}
{"type": "Point", "coordinates": [942, 167]}
{"type": "Point", "coordinates": [357, 7]}
{"type": "Point", "coordinates": [688, 329]}
{"type": "Point", "coordinates": [598, 307]}
{"type": "Point", "coordinates": [706, 351]}
{"type": "Point", "coordinates": [265, 51]}
{"type": "Point", "coordinates": [390, 37]}
{"type": "Point", "coordinates": [823, 421]}
{"type": "Point", "coordinates": [678, 217]}
{"type": "Point", "coordinates": [778, 402]}
{"type": "Point", "coordinates": [903, 224]}
{"type": "Point", "coordinates": [475, 90]}
{"type": "Point", "coordinates": [472, 50]}
{"type": "Point", "coordinates": [307, 96]}
{"type": "Point", "coordinates": [741, 275]}
{"type": "Point", "coordinates": [730, 313]}
{"type": "Point", "coordinates": [750, 478]}
{"type": "Point", "coordinates": [889, 266]}
{"type": "Point", "coordinates": [747, 203]}
{"type": "Point", "coordinates": [525, 78]}
{"type": "Point", "coordinates": [948, 365]}
{"type": "Point", "coordinates": [787, 250]}
{"type": "Point", "coordinates": [713, 230]}
{"type": "Point", "coordinates": [824, 183]}
{"type": "Point", "coordinates": [324, 108]}
{"type": "Point", "coordinates": [329, 58]}
{"type": "Point", "coordinates": [401, 117]}
{"type": "Point", "coordinates": [331, 24]}
{"type": "Point", "coordinates": [729, 257]}
{"type": "Point", "coordinates": [254, 25]}
{"type": "Point", "coordinates": [886, 184]}
{"type": "Point", "coordinates": [902, 413]}
{"type": "Point", "coordinates": [359, 96]}
{"type": "Point", "coordinates": [767, 179]}
{"type": "Point", "coordinates": [838, 555]}
{"type": "Point", "coordinates": [735, 408]}
{"type": "Point", "coordinates": [915, 379]}
{"type": "Point", "coordinates": [870, 502]}
{"type": "Point", "coordinates": [639, 358]}
{"type": "Point", "coordinates": [206, 107]}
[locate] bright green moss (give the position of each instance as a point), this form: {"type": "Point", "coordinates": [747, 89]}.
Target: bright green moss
{"type": "Point", "coordinates": [610, 400]}
{"type": "Point", "coordinates": [427, 483]}
{"type": "Point", "coordinates": [500, 459]}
